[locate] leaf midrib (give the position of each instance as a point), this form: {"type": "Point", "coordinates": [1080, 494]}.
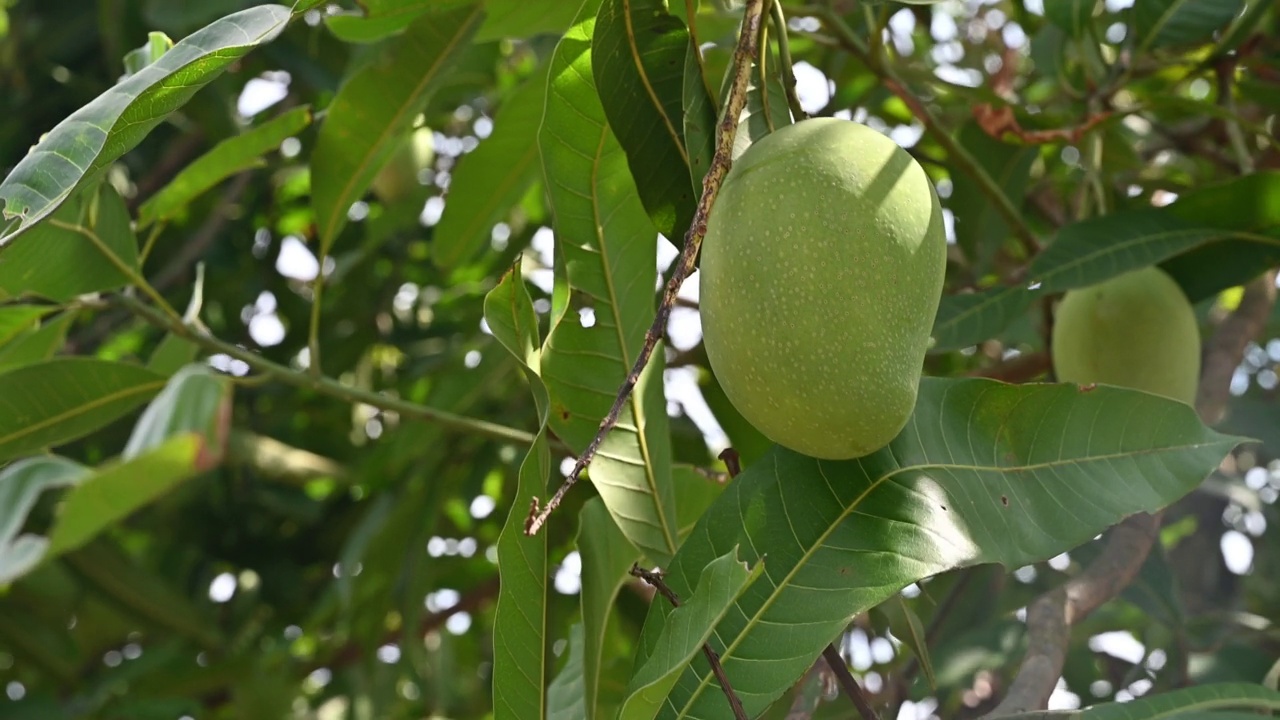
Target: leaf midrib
{"type": "Point", "coordinates": [703, 681]}
{"type": "Point", "coordinates": [637, 414]}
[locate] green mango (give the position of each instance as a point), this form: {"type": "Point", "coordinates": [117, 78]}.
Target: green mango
{"type": "Point", "coordinates": [820, 277]}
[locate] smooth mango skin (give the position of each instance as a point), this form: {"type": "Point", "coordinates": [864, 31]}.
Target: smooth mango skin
{"type": "Point", "coordinates": [820, 277]}
{"type": "Point", "coordinates": [1136, 330]}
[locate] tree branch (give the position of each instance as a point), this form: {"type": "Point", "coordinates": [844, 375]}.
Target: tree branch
{"type": "Point", "coordinates": [744, 52]}
{"type": "Point", "coordinates": [324, 385]}
{"type": "Point", "coordinates": [848, 683]}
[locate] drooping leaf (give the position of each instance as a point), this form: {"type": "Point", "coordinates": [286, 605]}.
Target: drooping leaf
{"type": "Point", "coordinates": [984, 472]}
{"type": "Point", "coordinates": [375, 107]}
{"type": "Point", "coordinates": [607, 555]}
{"type": "Point", "coordinates": [980, 229]}
{"type": "Point", "coordinates": [63, 399]}
{"type": "Point", "coordinates": [1166, 23]}
{"type": "Point", "coordinates": [638, 59]}
{"type": "Point", "coordinates": [233, 155]}
{"type": "Point", "coordinates": [86, 246]}
{"type": "Point", "coordinates": [686, 629]}
{"type": "Point", "coordinates": [519, 668]}
{"type": "Point", "coordinates": [489, 180]}
{"type": "Point", "coordinates": [20, 486]}
{"type": "Point", "coordinates": [117, 120]}
{"type": "Point", "coordinates": [181, 433]}
{"type": "Point", "coordinates": [606, 251]}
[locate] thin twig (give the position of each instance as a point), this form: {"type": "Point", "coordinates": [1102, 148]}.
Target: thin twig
{"type": "Point", "coordinates": [960, 156]}
{"type": "Point", "coordinates": [655, 580]}
{"type": "Point", "coordinates": [746, 50]}
{"type": "Point", "coordinates": [324, 385]}
{"type": "Point", "coordinates": [848, 683]}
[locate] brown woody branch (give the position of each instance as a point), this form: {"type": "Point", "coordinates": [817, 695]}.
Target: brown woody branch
{"type": "Point", "coordinates": [744, 53]}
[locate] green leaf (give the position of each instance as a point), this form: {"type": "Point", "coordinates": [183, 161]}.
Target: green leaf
{"type": "Point", "coordinates": [565, 698]}
{"type": "Point", "coordinates": [116, 490]}
{"type": "Point", "coordinates": [1185, 703]}
{"type": "Point", "coordinates": [182, 433]}
{"type": "Point", "coordinates": [1084, 254]}
{"type": "Point", "coordinates": [17, 319]}
{"type": "Point", "coordinates": [765, 111]}
{"type": "Point", "coordinates": [64, 399]}
{"type": "Point", "coordinates": [117, 120]}
{"type": "Point", "coordinates": [526, 18]}
{"type": "Point", "coordinates": [489, 180]}
{"type": "Point", "coordinates": [86, 248]}
{"type": "Point", "coordinates": [374, 109]}
{"type": "Point", "coordinates": [503, 18]}
{"type": "Point", "coordinates": [38, 345]}
{"type": "Point", "coordinates": [1073, 16]}
{"type": "Point", "coordinates": [1094, 250]}
{"type": "Point", "coordinates": [606, 251]}
{"type": "Point", "coordinates": [1166, 23]}
{"type": "Point", "coordinates": [897, 616]}
{"type": "Point", "coordinates": [638, 54]}
{"type": "Point", "coordinates": [1244, 204]}
{"type": "Point", "coordinates": [699, 120]}
{"type": "Point", "coordinates": [195, 400]}
{"type": "Point", "coordinates": [519, 667]}
{"type": "Point", "coordinates": [607, 556]}
{"type": "Point", "coordinates": [233, 155]}
{"type": "Point", "coordinates": [984, 472]}
{"type": "Point", "coordinates": [686, 629]}
{"type": "Point", "coordinates": [969, 318]}
{"type": "Point", "coordinates": [980, 229]}
{"type": "Point", "coordinates": [171, 354]}
{"type": "Point", "coordinates": [20, 486]}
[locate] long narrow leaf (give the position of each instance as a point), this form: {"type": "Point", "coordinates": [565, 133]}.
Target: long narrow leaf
{"type": "Point", "coordinates": [117, 120]}
{"type": "Point", "coordinates": [375, 107]}
{"type": "Point", "coordinates": [606, 251]}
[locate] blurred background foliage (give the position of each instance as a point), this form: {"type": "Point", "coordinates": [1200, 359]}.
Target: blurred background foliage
{"type": "Point", "coordinates": [342, 562]}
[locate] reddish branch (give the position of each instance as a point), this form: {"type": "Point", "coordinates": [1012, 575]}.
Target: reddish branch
{"type": "Point", "coordinates": [1051, 616]}
{"type": "Point", "coordinates": [746, 50]}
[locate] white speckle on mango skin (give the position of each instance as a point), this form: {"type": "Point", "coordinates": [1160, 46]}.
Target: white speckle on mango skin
{"type": "Point", "coordinates": [821, 274]}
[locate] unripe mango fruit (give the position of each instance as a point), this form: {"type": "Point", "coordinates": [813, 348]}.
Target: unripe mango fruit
{"type": "Point", "coordinates": [820, 277]}
{"type": "Point", "coordinates": [1136, 330]}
